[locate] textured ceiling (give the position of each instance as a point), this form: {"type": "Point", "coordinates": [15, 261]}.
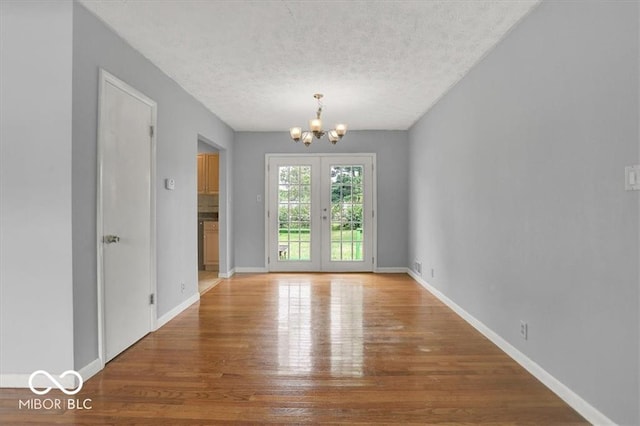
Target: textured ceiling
{"type": "Point", "coordinates": [257, 64]}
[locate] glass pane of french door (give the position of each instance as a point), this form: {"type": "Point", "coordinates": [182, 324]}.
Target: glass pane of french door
{"type": "Point", "coordinates": [293, 224]}
{"type": "Point", "coordinates": [294, 212]}
{"type": "Point", "coordinates": [347, 206]}
{"type": "Point", "coordinates": [319, 213]}
{"type": "Point", "coordinates": [347, 236]}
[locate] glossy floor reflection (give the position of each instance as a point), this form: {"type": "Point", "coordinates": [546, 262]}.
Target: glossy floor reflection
{"type": "Point", "coordinates": [320, 348]}
{"type": "Point", "coordinates": [312, 331]}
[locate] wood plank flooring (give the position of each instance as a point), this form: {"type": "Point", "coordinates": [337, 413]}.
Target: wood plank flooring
{"type": "Point", "coordinates": [309, 348]}
{"type": "Point", "coordinates": [207, 280]}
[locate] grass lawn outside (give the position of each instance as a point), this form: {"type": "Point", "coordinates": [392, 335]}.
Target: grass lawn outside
{"type": "Point", "coordinates": [346, 245]}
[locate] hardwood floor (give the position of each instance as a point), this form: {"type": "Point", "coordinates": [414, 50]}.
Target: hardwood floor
{"type": "Point", "coordinates": [309, 348]}
{"type": "Point", "coordinates": [207, 280]}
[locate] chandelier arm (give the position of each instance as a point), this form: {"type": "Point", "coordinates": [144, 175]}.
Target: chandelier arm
{"type": "Point", "coordinates": [333, 135]}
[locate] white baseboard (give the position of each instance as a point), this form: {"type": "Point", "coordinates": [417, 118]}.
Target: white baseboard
{"type": "Point", "coordinates": [392, 270]}
{"type": "Point", "coordinates": [262, 270]}
{"type": "Point", "coordinates": [91, 369]}
{"type": "Point", "coordinates": [567, 395]}
{"type": "Point", "coordinates": [229, 274]}
{"type": "Point", "coordinates": [39, 381]}
{"type": "Point", "coordinates": [251, 270]}
{"type": "Point", "coordinates": [177, 310]}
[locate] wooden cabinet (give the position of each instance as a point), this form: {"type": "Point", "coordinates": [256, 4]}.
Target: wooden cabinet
{"type": "Point", "coordinates": [202, 167]}
{"type": "Point", "coordinates": [208, 173]}
{"type": "Point", "coordinates": [210, 246]}
{"type": "Point", "coordinates": [213, 179]}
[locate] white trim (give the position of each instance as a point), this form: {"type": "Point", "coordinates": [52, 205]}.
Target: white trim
{"type": "Point", "coordinates": [263, 270]}
{"type": "Point", "coordinates": [567, 395]}
{"type": "Point", "coordinates": [266, 201]}
{"type": "Point", "coordinates": [638, 201]}
{"type": "Point", "coordinates": [14, 380]}
{"type": "Point", "coordinates": [177, 311]}
{"type": "Point", "coordinates": [91, 369]}
{"type": "Point", "coordinates": [251, 270]}
{"type": "Point", "coordinates": [22, 381]}
{"type": "Point", "coordinates": [229, 274]}
{"type": "Point", "coordinates": [104, 78]}
{"type": "Point", "coordinates": [374, 208]}
{"type": "Point", "coordinates": [392, 270]}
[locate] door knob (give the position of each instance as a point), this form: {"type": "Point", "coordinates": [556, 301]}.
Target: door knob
{"type": "Point", "coordinates": [108, 239]}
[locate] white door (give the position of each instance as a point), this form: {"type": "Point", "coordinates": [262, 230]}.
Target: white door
{"type": "Point", "coordinates": [347, 213]}
{"type": "Point", "coordinates": [293, 213]}
{"type": "Point", "coordinates": [125, 222]}
{"type": "Point", "coordinates": [320, 214]}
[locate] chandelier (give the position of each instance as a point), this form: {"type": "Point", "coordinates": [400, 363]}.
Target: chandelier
{"type": "Point", "coordinates": [315, 126]}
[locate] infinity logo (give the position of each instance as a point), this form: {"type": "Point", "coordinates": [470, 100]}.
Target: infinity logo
{"type": "Point", "coordinates": [55, 382]}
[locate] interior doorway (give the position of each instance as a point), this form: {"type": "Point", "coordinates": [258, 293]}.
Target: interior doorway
{"type": "Point", "coordinates": [208, 188]}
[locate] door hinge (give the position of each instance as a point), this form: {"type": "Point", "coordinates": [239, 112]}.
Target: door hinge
{"type": "Point", "coordinates": [151, 131]}
{"type": "Point", "coordinates": [373, 213]}
{"type": "Point", "coordinates": [373, 260]}
{"type": "Point", "coordinates": [268, 213]}
{"type": "Point", "coordinates": [268, 259]}
{"type": "Point", "coordinates": [151, 299]}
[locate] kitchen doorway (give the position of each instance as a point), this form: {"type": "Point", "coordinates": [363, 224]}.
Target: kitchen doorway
{"type": "Point", "coordinates": [208, 163]}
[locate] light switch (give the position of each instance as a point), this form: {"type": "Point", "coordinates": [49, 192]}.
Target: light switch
{"type": "Point", "coordinates": [170, 184]}
{"type": "Point", "coordinates": [632, 178]}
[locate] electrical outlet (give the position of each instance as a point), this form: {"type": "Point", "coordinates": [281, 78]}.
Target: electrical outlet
{"type": "Point", "coordinates": [182, 287]}
{"type": "Point", "coordinates": [417, 266]}
{"type": "Point", "coordinates": [433, 273]}
{"type": "Point", "coordinates": [524, 330]}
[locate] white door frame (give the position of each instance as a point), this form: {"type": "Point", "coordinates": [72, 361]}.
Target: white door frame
{"type": "Point", "coordinates": [327, 264]}
{"type": "Point", "coordinates": [104, 79]}
{"type": "Point", "coordinates": [374, 200]}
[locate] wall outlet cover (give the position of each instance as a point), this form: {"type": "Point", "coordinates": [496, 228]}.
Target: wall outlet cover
{"type": "Point", "coordinates": [524, 330]}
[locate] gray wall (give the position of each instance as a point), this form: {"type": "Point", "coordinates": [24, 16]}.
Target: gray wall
{"type": "Point", "coordinates": [181, 121]}
{"type": "Point", "coordinates": [36, 300]}
{"type": "Point", "coordinates": [391, 148]}
{"type": "Point", "coordinates": [517, 196]}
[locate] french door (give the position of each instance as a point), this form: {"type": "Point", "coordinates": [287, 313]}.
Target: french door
{"type": "Point", "coordinates": [320, 214]}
